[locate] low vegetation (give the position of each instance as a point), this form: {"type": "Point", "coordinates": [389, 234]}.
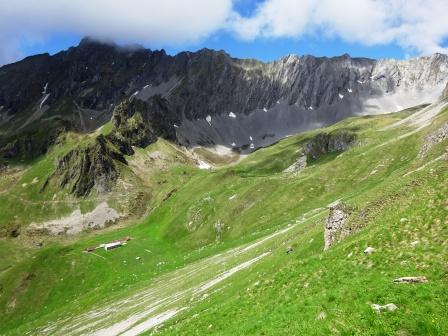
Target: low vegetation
{"type": "Point", "coordinates": [398, 205]}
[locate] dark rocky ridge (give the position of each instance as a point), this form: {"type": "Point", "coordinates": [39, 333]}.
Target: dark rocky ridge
{"type": "Point", "coordinates": [94, 165]}
{"type": "Point", "coordinates": [81, 87]}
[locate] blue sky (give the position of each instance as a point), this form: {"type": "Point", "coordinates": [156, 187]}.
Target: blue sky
{"type": "Point", "coordinates": [265, 49]}
{"type": "Point", "coordinates": [261, 29]}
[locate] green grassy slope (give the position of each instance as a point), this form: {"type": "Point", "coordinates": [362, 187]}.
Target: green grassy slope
{"type": "Point", "coordinates": [196, 214]}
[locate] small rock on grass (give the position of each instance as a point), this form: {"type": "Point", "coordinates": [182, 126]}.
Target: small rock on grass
{"type": "Point", "coordinates": [412, 279]}
{"type": "Point", "coordinates": [322, 316]}
{"type": "Point", "coordinates": [378, 308]}
{"type": "Point", "coordinates": [369, 250]}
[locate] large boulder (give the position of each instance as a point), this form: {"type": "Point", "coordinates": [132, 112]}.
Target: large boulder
{"type": "Point", "coordinates": [336, 227]}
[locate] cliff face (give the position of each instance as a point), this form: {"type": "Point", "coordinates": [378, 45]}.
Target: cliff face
{"type": "Point", "coordinates": [207, 97]}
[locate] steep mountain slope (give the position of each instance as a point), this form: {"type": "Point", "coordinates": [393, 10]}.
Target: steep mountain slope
{"type": "Point", "coordinates": [187, 263]}
{"type": "Point", "coordinates": [212, 98]}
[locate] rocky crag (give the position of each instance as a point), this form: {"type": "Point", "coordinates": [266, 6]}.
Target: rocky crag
{"type": "Point", "coordinates": [94, 165]}
{"type": "Point", "coordinates": [324, 143]}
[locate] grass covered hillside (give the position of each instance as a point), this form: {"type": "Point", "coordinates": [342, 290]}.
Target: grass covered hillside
{"type": "Point", "coordinates": [208, 249]}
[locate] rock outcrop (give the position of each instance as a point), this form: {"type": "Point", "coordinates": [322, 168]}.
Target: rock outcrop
{"type": "Point", "coordinates": [93, 166]}
{"type": "Point", "coordinates": [433, 139]}
{"type": "Point", "coordinates": [336, 227]}
{"type": "Point", "coordinates": [88, 167]}
{"type": "Point", "coordinates": [130, 127]}
{"type": "Point", "coordinates": [324, 143]}
{"type": "Point", "coordinates": [297, 166]}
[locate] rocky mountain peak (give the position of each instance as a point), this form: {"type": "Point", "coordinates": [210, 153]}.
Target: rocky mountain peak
{"type": "Point", "coordinates": [208, 97]}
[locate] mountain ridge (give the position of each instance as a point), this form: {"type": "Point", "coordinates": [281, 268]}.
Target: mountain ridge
{"type": "Point", "coordinates": [84, 81]}
{"type": "Point", "coordinates": [83, 84]}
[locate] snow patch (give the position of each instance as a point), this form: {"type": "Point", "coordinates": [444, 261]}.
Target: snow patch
{"type": "Point", "coordinates": [203, 165]}
{"type": "Point", "coordinates": [310, 108]}
{"type": "Point", "coordinates": [252, 146]}
{"type": "Point", "coordinates": [209, 119]}
{"type": "Point", "coordinates": [341, 96]}
{"type": "Point", "coordinates": [44, 100]}
{"type": "Point", "coordinates": [350, 90]}
{"type": "Point", "coordinates": [265, 109]}
{"type": "Point", "coordinates": [232, 115]}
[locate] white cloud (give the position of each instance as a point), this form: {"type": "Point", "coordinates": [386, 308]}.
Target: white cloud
{"type": "Point", "coordinates": [419, 26]}
{"type": "Point", "coordinates": [416, 25]}
{"type": "Point", "coordinates": [167, 22]}
{"type": "Point", "coordinates": [9, 50]}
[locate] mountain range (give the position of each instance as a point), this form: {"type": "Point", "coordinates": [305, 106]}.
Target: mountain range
{"type": "Point", "coordinates": [204, 98]}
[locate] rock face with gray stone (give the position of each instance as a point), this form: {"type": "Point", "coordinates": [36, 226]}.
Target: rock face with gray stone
{"type": "Point", "coordinates": [336, 224]}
